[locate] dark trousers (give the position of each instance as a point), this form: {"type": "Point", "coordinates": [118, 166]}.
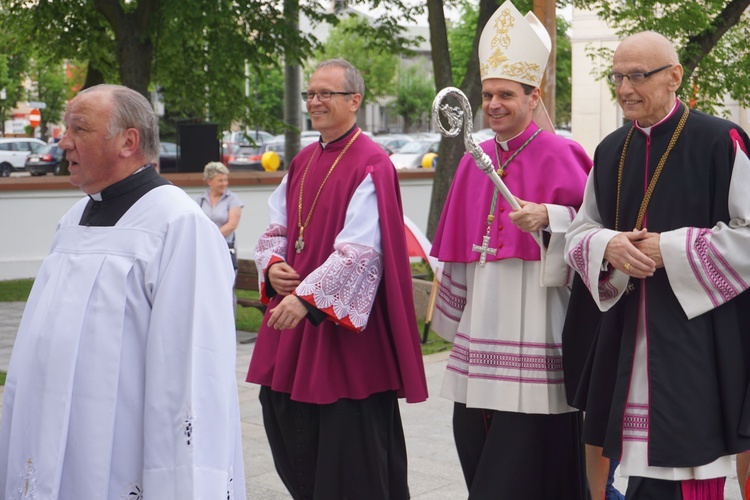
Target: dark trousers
{"type": "Point", "coordinates": [512, 456]}
{"type": "Point", "coordinates": [350, 449]}
{"type": "Point", "coordinates": [646, 488]}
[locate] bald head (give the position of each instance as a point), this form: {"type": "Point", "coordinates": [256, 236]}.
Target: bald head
{"type": "Point", "coordinates": [646, 72]}
{"type": "Point", "coordinates": [650, 42]}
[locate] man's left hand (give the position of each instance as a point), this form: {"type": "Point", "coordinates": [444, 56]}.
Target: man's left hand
{"type": "Point", "coordinates": [287, 314]}
{"type": "Point", "coordinates": [649, 245]}
{"type": "Point", "coordinates": [531, 217]}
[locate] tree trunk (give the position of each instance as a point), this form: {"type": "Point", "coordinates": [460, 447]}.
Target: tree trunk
{"type": "Point", "coordinates": [699, 45]}
{"type": "Point", "coordinates": [292, 100]}
{"type": "Point", "coordinates": [544, 10]}
{"type": "Point", "coordinates": [451, 150]}
{"type": "Point", "coordinates": [132, 38]}
{"type": "Point", "coordinates": [93, 76]}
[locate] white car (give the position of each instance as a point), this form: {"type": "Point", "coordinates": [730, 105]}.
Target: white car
{"type": "Point", "coordinates": [13, 153]}
{"type": "Point", "coordinates": [410, 155]}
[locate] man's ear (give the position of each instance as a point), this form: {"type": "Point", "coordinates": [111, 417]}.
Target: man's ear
{"type": "Point", "coordinates": [130, 141]}
{"type": "Point", "coordinates": [675, 77]}
{"type": "Point", "coordinates": [535, 96]}
{"type": "Point", "coordinates": [356, 101]}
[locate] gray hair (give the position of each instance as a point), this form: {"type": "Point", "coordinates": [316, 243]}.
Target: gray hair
{"type": "Point", "coordinates": [352, 77]}
{"type": "Point", "coordinates": [212, 168]}
{"type": "Point", "coordinates": [130, 109]}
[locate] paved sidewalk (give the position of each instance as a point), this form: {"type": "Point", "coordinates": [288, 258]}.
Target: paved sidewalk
{"type": "Point", "coordinates": [434, 471]}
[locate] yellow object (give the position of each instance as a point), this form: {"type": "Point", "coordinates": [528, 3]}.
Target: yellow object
{"type": "Point", "coordinates": [270, 161]}
{"type": "Point", "coordinates": [427, 160]}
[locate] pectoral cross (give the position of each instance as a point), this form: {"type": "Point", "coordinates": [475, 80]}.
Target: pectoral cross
{"type": "Point", "coordinates": [300, 243]}
{"type": "Point", "coordinates": [484, 249]}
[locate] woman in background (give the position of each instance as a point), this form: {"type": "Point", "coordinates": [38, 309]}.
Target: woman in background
{"type": "Point", "coordinates": [221, 205]}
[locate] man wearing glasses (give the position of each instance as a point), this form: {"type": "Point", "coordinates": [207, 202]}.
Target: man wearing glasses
{"type": "Point", "coordinates": [661, 242]}
{"type": "Point", "coordinates": [339, 343]}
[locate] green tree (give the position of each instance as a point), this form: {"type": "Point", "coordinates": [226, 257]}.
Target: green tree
{"type": "Point", "coordinates": [563, 74]}
{"type": "Point", "coordinates": [378, 66]}
{"type": "Point", "coordinates": [710, 37]}
{"type": "Point", "coordinates": [414, 95]}
{"type": "Point", "coordinates": [51, 89]}
{"type": "Point", "coordinates": [194, 50]}
{"type": "Point", "coordinates": [267, 84]}
{"type": "Point", "coordinates": [461, 39]}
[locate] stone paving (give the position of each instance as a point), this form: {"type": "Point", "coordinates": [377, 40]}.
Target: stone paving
{"type": "Point", "coordinates": [434, 470]}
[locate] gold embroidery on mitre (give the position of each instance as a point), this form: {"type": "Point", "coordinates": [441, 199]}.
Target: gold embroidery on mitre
{"type": "Point", "coordinates": [496, 58]}
{"type": "Point", "coordinates": [503, 24]}
{"type": "Point", "coordinates": [523, 69]}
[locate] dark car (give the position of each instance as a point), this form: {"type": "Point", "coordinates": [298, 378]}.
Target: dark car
{"type": "Point", "coordinates": [44, 160]}
{"type": "Point", "coordinates": [168, 154]}
{"type": "Point", "coordinates": [247, 158]}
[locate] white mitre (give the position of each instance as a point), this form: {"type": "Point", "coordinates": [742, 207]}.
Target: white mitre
{"type": "Point", "coordinates": [514, 47]}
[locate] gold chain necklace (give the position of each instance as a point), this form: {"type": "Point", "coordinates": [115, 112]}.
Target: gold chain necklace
{"type": "Point", "coordinates": [300, 243]}
{"type": "Point", "coordinates": [654, 179]}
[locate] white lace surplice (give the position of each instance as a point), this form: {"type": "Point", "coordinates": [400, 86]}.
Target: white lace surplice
{"type": "Point", "coordinates": [344, 286]}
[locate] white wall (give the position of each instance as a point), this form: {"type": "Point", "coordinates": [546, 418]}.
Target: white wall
{"type": "Point", "coordinates": [594, 111]}
{"type": "Point", "coordinates": [28, 220]}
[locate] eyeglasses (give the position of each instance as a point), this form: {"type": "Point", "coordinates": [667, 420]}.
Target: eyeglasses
{"type": "Point", "coordinates": [322, 96]}
{"type": "Point", "coordinates": [635, 78]}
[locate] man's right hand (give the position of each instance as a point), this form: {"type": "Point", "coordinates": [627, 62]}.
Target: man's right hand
{"type": "Point", "coordinates": [624, 256]}
{"type": "Point", "coordinates": [283, 278]}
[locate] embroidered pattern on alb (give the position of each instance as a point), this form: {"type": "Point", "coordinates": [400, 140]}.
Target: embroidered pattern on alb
{"type": "Point", "coordinates": [230, 484]}
{"type": "Point", "coordinates": [607, 290]}
{"type": "Point", "coordinates": [272, 242]}
{"type": "Point", "coordinates": [187, 427]}
{"type": "Point", "coordinates": [635, 422]}
{"type": "Point", "coordinates": [579, 258]}
{"type": "Point", "coordinates": [28, 482]}
{"type": "Point", "coordinates": [505, 360]}
{"type": "Point", "coordinates": [451, 298]}
{"type": "Point", "coordinates": [134, 491]}
{"type": "Point", "coordinates": [346, 282]}
{"type": "Point", "coordinates": [714, 273]}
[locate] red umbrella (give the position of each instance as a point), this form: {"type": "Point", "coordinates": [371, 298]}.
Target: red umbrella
{"type": "Point", "coordinates": [419, 246]}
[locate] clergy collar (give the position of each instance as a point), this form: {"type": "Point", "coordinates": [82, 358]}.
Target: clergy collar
{"type": "Point", "coordinates": [324, 144]}
{"type": "Point", "coordinates": [517, 141]}
{"type": "Point", "coordinates": [146, 173]}
{"type": "Point", "coordinates": [647, 130]}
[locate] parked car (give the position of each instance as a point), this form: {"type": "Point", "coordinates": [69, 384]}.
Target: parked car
{"type": "Point", "coordinates": [278, 144]}
{"type": "Point", "coordinates": [247, 158]}
{"type": "Point", "coordinates": [411, 154]}
{"type": "Point", "coordinates": [168, 153]}
{"type": "Point", "coordinates": [394, 142]}
{"type": "Point", "coordinates": [13, 153]}
{"type": "Point", "coordinates": [47, 159]}
{"type": "Point", "coordinates": [229, 152]}
{"type": "Point", "coordinates": [385, 148]}
{"type": "Point", "coordinates": [247, 137]}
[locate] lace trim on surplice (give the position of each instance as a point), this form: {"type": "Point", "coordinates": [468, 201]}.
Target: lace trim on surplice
{"type": "Point", "coordinates": [346, 282]}
{"type": "Point", "coordinates": [272, 242]}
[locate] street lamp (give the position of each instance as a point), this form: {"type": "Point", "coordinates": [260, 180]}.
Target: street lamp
{"type": "Point", "coordinates": [3, 96]}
